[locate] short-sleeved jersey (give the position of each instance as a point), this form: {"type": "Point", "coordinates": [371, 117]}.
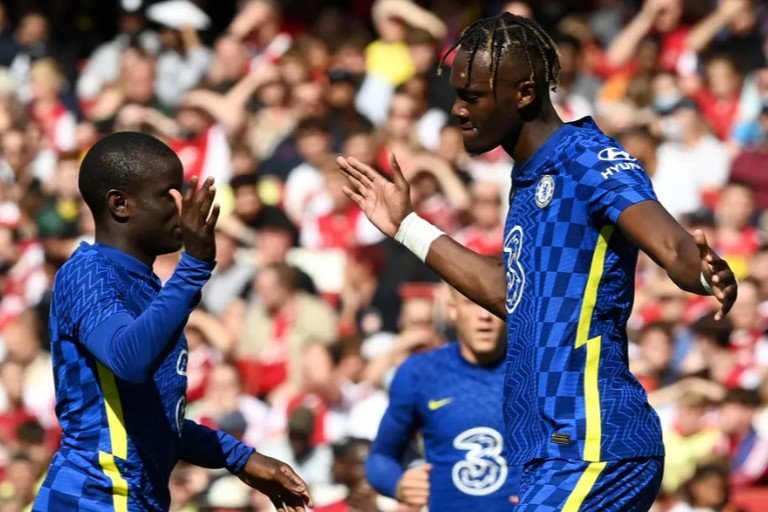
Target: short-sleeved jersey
{"type": "Point", "coordinates": [570, 286]}
{"type": "Point", "coordinates": [455, 406]}
{"type": "Point", "coordinates": [117, 435]}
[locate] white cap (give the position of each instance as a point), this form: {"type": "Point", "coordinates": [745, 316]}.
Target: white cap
{"type": "Point", "coordinates": [178, 14]}
{"type": "Point", "coordinates": [229, 492]}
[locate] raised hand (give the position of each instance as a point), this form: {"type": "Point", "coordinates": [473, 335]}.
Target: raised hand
{"type": "Point", "coordinates": [276, 480]}
{"type": "Point", "coordinates": [385, 203]}
{"type": "Point", "coordinates": [718, 274]}
{"type": "Point", "coordinates": [197, 226]}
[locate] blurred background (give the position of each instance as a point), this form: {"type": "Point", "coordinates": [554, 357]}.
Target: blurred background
{"type": "Point", "coordinates": [310, 310]}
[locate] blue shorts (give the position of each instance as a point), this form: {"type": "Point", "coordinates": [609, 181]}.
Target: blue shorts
{"type": "Point", "coordinates": [568, 485]}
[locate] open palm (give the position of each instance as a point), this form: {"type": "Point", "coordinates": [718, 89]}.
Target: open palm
{"type": "Point", "coordinates": [385, 203]}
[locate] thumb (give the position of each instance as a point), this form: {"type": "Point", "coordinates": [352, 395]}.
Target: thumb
{"type": "Point", "coordinates": [426, 467]}
{"type": "Point", "coordinates": [701, 241]}
{"type": "Point", "coordinates": [397, 173]}
{"type": "Point", "coordinates": [177, 199]}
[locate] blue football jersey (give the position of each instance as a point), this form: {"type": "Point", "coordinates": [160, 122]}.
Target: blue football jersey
{"type": "Point", "coordinates": [456, 407]}
{"type": "Point", "coordinates": [570, 286]}
{"type": "Point", "coordinates": [117, 435]}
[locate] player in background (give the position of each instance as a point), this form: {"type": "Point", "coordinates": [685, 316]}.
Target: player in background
{"type": "Point", "coordinates": [451, 397]}
{"type": "Point", "coordinates": [119, 353]}
{"type": "Point", "coordinates": [575, 416]}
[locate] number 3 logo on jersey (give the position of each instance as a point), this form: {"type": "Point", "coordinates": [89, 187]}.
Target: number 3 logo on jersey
{"type": "Point", "coordinates": [483, 470]}
{"type": "Point", "coordinates": [513, 247]}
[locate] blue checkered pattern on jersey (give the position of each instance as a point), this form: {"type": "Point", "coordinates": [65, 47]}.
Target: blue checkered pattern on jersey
{"type": "Point", "coordinates": [629, 485]}
{"type": "Point", "coordinates": [551, 238]}
{"type": "Point", "coordinates": [94, 284]}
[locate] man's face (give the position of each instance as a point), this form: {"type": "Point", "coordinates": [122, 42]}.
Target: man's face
{"type": "Point", "coordinates": [487, 117]}
{"type": "Point", "coordinates": [480, 331]}
{"type": "Point", "coordinates": [154, 216]}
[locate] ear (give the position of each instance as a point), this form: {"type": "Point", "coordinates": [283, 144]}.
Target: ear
{"type": "Point", "coordinates": [119, 204]}
{"type": "Point", "coordinates": [526, 94]}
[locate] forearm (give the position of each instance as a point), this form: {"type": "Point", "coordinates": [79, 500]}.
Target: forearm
{"type": "Point", "coordinates": [704, 32]}
{"type": "Point", "coordinates": [667, 244]}
{"type": "Point", "coordinates": [383, 473]}
{"type": "Point", "coordinates": [624, 45]}
{"type": "Point", "coordinates": [208, 448]}
{"type": "Point", "coordinates": [683, 264]}
{"type": "Point", "coordinates": [479, 278]}
{"type": "Point", "coordinates": [131, 347]}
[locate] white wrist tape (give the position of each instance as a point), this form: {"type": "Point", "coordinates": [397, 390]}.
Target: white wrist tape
{"type": "Point", "coordinates": [705, 285]}
{"type": "Point", "coordinates": [417, 235]}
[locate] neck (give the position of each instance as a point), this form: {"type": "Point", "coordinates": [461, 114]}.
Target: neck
{"type": "Point", "coordinates": [482, 358]}
{"type": "Point", "coordinates": [533, 134]}
{"type": "Point", "coordinates": [118, 242]}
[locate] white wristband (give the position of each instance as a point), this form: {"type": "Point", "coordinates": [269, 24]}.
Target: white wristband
{"type": "Point", "coordinates": [705, 285]}
{"type": "Point", "coordinates": [417, 235]}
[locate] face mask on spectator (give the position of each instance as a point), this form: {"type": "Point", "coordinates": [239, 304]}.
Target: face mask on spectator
{"type": "Point", "coordinates": [665, 101]}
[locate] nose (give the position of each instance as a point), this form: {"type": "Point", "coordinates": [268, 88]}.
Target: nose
{"type": "Point", "coordinates": [460, 112]}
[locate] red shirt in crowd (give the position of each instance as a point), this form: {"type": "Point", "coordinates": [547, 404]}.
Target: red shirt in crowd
{"type": "Point", "coordinates": [749, 168]}
{"type": "Point", "coordinates": [261, 376]}
{"type": "Point", "coordinates": [720, 113]}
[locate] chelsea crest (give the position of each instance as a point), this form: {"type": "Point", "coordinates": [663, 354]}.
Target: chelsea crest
{"type": "Point", "coordinates": [545, 190]}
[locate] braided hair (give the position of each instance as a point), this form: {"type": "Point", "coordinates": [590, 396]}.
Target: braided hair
{"type": "Point", "coordinates": [506, 33]}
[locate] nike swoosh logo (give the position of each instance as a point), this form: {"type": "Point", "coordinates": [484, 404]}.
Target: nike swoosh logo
{"type": "Point", "coordinates": [434, 405]}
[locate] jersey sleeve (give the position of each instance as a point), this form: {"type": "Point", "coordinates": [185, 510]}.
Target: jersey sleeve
{"type": "Point", "coordinates": [613, 181]}
{"type": "Point", "coordinates": [86, 295]}
{"type": "Point", "coordinates": [129, 346]}
{"type": "Point", "coordinates": [208, 448]}
{"type": "Point", "coordinates": [383, 467]}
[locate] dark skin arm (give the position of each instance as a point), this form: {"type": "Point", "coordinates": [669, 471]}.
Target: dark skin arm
{"type": "Point", "coordinates": [480, 278]}
{"type": "Point", "coordinates": [683, 256]}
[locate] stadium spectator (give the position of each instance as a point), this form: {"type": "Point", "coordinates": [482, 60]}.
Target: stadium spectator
{"type": "Point", "coordinates": [269, 93]}
{"type": "Point", "coordinates": [748, 452]}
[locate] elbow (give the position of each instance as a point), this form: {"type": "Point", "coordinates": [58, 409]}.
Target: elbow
{"type": "Point", "coordinates": [134, 373]}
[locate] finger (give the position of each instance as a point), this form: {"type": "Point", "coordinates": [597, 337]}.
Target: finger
{"type": "Point", "coordinates": [203, 192]}
{"type": "Point", "coordinates": [206, 201]}
{"type": "Point", "coordinates": [210, 224]}
{"type": "Point", "coordinates": [365, 169]}
{"type": "Point", "coordinates": [356, 197]}
{"type": "Point", "coordinates": [726, 297]}
{"type": "Point", "coordinates": [701, 241]}
{"type": "Point", "coordinates": [349, 170]}
{"type": "Point", "coordinates": [191, 192]}
{"type": "Point", "coordinates": [361, 189]}
{"type": "Point", "coordinates": [178, 199]}
{"type": "Point", "coordinates": [417, 485]}
{"type": "Point", "coordinates": [397, 173]}
{"type": "Point", "coordinates": [717, 264]}
{"type": "Point", "coordinates": [295, 484]}
{"type": "Point", "coordinates": [723, 277]}
{"type": "Point", "coordinates": [416, 499]}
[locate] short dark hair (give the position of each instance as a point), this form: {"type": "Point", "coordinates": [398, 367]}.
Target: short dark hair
{"type": "Point", "coordinates": [505, 34]}
{"type": "Point", "coordinates": [741, 396]}
{"type": "Point", "coordinates": [250, 179]}
{"type": "Point", "coordinates": [352, 449]}
{"type": "Point", "coordinates": [717, 330]}
{"type": "Point", "coordinates": [312, 124]}
{"type": "Point", "coordinates": [119, 161]}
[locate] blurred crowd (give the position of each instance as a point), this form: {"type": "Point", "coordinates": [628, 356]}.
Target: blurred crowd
{"type": "Point", "coordinates": [310, 309]}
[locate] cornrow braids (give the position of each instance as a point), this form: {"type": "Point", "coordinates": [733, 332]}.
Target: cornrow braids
{"type": "Point", "coordinates": [507, 33]}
